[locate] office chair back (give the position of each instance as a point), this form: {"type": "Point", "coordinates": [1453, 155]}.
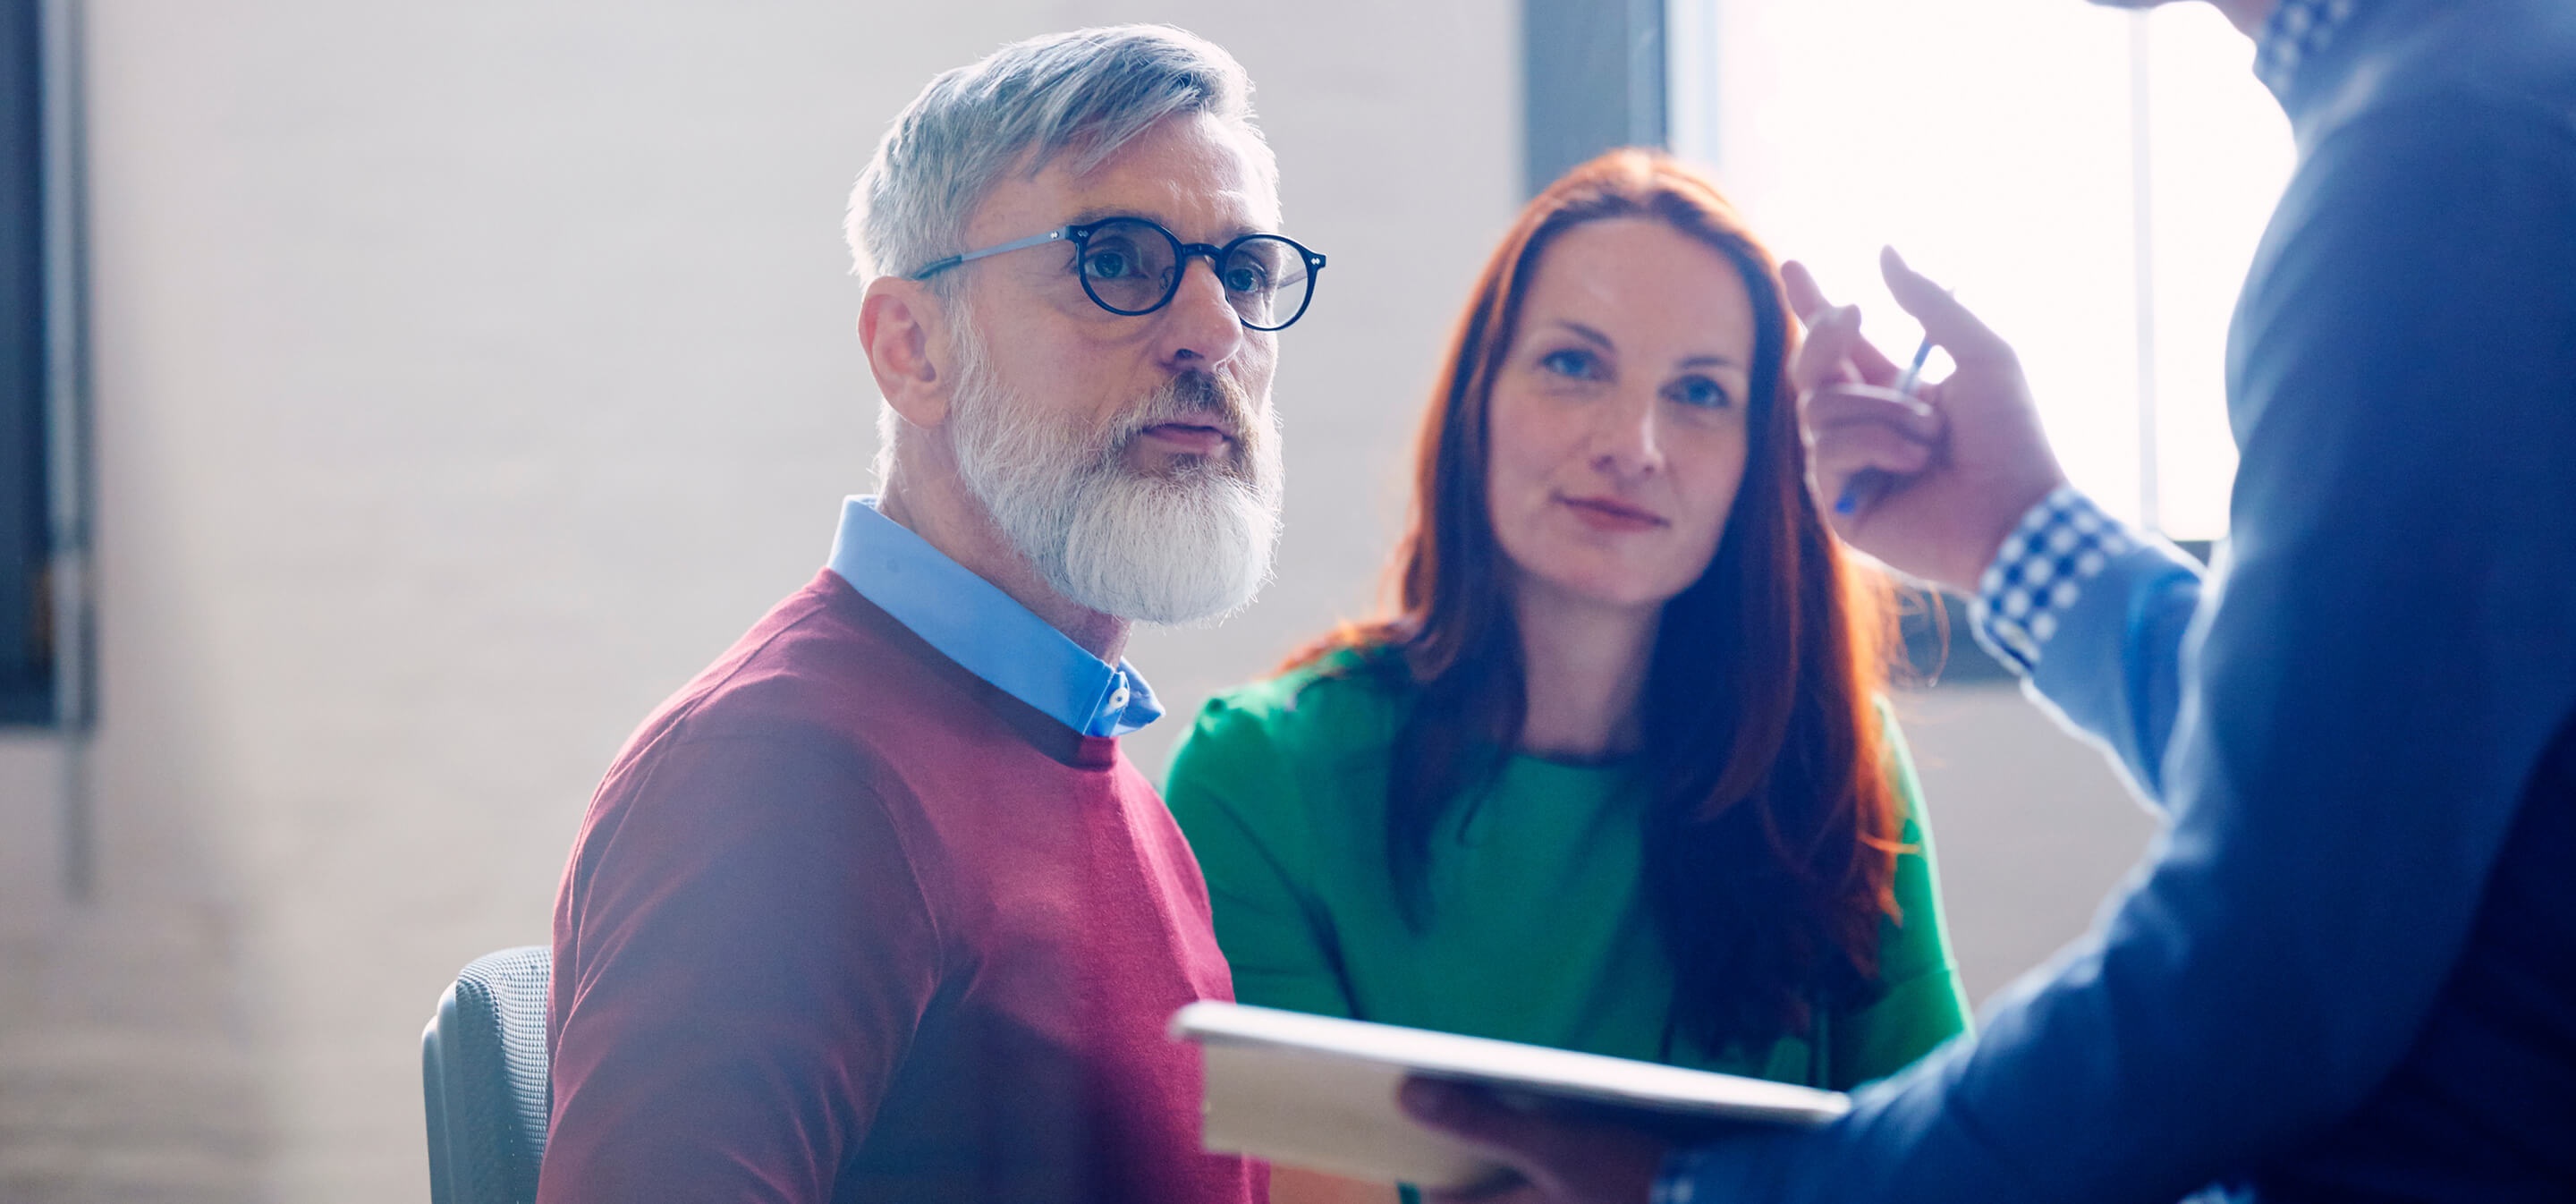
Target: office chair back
{"type": "Point", "coordinates": [483, 1075]}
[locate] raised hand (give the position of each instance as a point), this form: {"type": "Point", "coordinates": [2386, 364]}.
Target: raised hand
{"type": "Point", "coordinates": [1942, 476]}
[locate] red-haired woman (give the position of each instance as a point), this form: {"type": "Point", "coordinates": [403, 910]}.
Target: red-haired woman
{"type": "Point", "coordinates": [1616, 776]}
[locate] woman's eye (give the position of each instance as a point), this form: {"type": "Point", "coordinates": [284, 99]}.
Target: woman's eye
{"type": "Point", "coordinates": [1700, 391]}
{"type": "Point", "coordinates": [1572, 361]}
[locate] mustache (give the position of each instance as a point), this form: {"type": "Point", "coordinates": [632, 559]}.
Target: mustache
{"type": "Point", "coordinates": [1195, 398]}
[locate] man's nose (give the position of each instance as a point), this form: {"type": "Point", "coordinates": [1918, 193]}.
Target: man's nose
{"type": "Point", "coordinates": [1200, 325]}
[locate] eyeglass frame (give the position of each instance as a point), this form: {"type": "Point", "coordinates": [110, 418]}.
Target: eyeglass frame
{"type": "Point", "coordinates": [1079, 234]}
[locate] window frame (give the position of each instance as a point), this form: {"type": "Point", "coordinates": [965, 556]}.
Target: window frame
{"type": "Point", "coordinates": [27, 662]}
{"type": "Point", "coordinates": [46, 656]}
{"type": "Point", "coordinates": [1644, 73]}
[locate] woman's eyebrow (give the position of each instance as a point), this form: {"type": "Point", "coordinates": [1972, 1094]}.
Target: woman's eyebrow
{"type": "Point", "coordinates": [1588, 334]}
{"type": "Point", "coordinates": [1704, 360]}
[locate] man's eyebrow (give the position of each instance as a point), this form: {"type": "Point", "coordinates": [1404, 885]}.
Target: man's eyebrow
{"type": "Point", "coordinates": [1102, 213]}
{"type": "Point", "coordinates": [1711, 361]}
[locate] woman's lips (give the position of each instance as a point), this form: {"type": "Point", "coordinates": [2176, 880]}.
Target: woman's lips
{"type": "Point", "coordinates": [1188, 438]}
{"type": "Point", "coordinates": [1607, 514]}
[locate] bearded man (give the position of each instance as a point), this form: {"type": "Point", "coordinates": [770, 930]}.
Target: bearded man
{"type": "Point", "coordinates": [875, 908]}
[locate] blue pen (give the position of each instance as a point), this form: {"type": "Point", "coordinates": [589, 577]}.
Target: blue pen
{"type": "Point", "coordinates": [1870, 480]}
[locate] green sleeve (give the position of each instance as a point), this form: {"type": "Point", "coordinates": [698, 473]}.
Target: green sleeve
{"type": "Point", "coordinates": [1232, 789]}
{"type": "Point", "coordinates": [1923, 1005]}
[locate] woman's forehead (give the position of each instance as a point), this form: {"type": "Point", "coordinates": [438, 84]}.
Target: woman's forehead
{"type": "Point", "coordinates": [1639, 280]}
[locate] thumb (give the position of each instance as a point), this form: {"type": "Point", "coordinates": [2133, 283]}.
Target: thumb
{"type": "Point", "coordinates": [1949, 323]}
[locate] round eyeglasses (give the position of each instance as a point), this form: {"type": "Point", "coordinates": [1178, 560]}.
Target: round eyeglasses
{"type": "Point", "coordinates": [1131, 266]}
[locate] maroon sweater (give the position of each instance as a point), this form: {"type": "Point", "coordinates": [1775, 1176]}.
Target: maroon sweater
{"type": "Point", "coordinates": [847, 923]}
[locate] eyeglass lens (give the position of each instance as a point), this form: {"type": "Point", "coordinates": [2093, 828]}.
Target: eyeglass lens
{"type": "Point", "coordinates": [1130, 266]}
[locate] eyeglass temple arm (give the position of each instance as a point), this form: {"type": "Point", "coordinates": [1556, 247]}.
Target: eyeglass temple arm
{"type": "Point", "coordinates": [942, 265]}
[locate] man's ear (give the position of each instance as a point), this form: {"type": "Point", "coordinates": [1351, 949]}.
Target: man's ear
{"type": "Point", "coordinates": [904, 328]}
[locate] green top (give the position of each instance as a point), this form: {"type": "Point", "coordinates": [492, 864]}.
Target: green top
{"type": "Point", "coordinates": [1536, 932]}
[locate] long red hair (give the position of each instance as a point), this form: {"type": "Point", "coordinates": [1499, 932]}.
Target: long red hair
{"type": "Point", "coordinates": [1771, 840]}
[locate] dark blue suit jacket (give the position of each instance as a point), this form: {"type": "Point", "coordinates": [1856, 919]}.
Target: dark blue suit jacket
{"type": "Point", "coordinates": [2347, 969]}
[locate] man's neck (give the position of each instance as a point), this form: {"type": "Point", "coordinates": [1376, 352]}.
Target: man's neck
{"type": "Point", "coordinates": [2247, 16]}
{"type": "Point", "coordinates": [936, 506]}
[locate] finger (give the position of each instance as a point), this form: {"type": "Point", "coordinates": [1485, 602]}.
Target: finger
{"type": "Point", "coordinates": [1825, 358]}
{"type": "Point", "coordinates": [1852, 465]}
{"type": "Point", "coordinates": [1516, 1139]}
{"type": "Point", "coordinates": [1518, 1191]}
{"type": "Point", "coordinates": [1807, 300]}
{"type": "Point", "coordinates": [1846, 451]}
{"type": "Point", "coordinates": [1837, 405]}
{"type": "Point", "coordinates": [1875, 368]}
{"type": "Point", "coordinates": [1806, 297]}
{"type": "Point", "coordinates": [1861, 360]}
{"type": "Point", "coordinates": [1949, 323]}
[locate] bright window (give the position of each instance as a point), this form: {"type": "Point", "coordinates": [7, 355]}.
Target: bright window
{"type": "Point", "coordinates": [2000, 146]}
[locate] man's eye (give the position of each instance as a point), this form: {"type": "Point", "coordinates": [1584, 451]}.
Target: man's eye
{"type": "Point", "coordinates": [1700, 391]}
{"type": "Point", "coordinates": [1572, 361]}
{"type": "Point", "coordinates": [1109, 265]}
{"type": "Point", "coordinates": [1247, 279]}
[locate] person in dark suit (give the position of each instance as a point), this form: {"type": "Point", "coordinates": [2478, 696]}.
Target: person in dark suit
{"type": "Point", "coordinates": [2347, 969]}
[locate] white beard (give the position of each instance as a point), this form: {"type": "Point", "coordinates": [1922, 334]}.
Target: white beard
{"type": "Point", "coordinates": [1189, 546]}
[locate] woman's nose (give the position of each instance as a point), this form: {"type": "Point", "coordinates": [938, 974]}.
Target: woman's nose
{"type": "Point", "coordinates": [1628, 445]}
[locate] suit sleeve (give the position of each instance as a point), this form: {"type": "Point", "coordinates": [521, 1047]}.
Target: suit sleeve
{"type": "Point", "coordinates": [751, 954]}
{"type": "Point", "coordinates": [2114, 671]}
{"type": "Point", "coordinates": [2362, 698]}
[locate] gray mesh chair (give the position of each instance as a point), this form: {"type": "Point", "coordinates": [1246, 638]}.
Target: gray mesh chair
{"type": "Point", "coordinates": [483, 1073]}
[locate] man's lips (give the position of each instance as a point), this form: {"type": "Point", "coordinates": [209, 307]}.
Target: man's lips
{"type": "Point", "coordinates": [1187, 437]}
{"type": "Point", "coordinates": [1611, 514]}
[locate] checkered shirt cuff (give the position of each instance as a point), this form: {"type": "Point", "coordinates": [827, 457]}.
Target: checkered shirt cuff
{"type": "Point", "coordinates": [2064, 542]}
{"type": "Point", "coordinates": [2298, 31]}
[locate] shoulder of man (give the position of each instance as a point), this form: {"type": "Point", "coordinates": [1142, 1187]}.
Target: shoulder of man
{"type": "Point", "coordinates": [2487, 68]}
{"type": "Point", "coordinates": [810, 708]}
{"type": "Point", "coordinates": [2429, 197]}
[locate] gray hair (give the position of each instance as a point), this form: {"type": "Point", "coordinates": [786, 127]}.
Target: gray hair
{"type": "Point", "coordinates": [1084, 93]}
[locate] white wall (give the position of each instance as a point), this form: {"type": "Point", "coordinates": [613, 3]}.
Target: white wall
{"type": "Point", "coordinates": [2031, 827]}
{"type": "Point", "coordinates": [470, 373]}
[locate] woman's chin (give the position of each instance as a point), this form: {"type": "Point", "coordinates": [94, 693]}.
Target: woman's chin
{"type": "Point", "coordinates": [1606, 587]}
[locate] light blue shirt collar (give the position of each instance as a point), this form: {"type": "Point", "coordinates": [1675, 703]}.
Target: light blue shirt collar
{"type": "Point", "coordinates": [972, 622]}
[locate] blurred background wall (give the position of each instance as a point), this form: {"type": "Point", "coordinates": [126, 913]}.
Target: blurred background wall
{"type": "Point", "coordinates": [467, 375]}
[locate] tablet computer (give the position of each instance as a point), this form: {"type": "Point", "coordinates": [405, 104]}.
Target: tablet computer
{"type": "Point", "coordinates": [1319, 1092]}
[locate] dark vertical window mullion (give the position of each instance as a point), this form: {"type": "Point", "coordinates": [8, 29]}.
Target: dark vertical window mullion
{"type": "Point", "coordinates": [27, 659]}
{"type": "Point", "coordinates": [1592, 76]}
